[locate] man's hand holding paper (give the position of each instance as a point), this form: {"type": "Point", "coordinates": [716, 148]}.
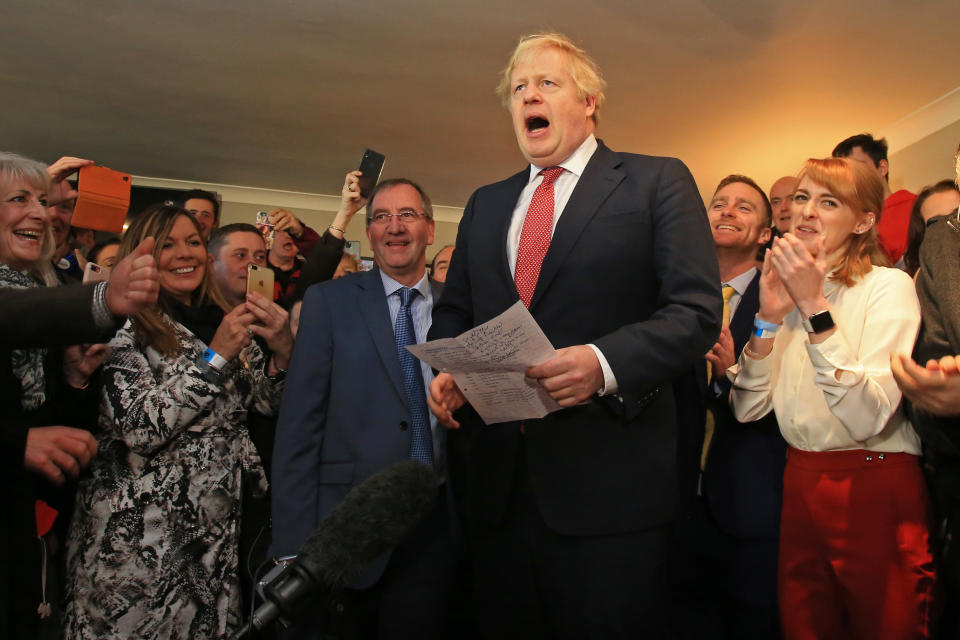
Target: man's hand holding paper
{"type": "Point", "coordinates": [445, 398]}
{"type": "Point", "coordinates": [487, 367]}
{"type": "Point", "coordinates": [571, 377]}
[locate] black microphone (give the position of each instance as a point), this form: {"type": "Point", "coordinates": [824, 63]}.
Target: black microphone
{"type": "Point", "coordinates": [373, 518]}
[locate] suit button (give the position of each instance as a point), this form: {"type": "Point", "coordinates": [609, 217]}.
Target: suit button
{"type": "Point", "coordinates": [403, 425]}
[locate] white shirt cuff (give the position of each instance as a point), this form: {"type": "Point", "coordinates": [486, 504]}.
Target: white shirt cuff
{"type": "Point", "coordinates": [609, 381]}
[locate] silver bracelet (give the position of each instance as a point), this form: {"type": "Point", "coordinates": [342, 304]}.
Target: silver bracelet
{"type": "Point", "coordinates": [100, 311]}
{"type": "Point", "coordinates": [337, 229]}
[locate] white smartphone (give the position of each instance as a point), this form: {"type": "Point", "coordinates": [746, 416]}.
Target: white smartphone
{"type": "Point", "coordinates": [95, 273]}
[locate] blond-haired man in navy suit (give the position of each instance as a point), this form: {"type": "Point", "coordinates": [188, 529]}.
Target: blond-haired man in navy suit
{"type": "Point", "coordinates": [569, 514]}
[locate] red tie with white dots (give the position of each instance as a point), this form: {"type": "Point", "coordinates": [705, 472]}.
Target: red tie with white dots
{"type": "Point", "coordinates": [535, 235]}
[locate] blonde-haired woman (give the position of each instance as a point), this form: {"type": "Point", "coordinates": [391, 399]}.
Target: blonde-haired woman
{"type": "Point", "coordinates": [854, 549]}
{"type": "Point", "coordinates": [42, 389]}
{"type": "Point", "coordinates": [153, 547]}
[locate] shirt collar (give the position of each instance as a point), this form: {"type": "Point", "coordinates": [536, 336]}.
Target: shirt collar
{"type": "Point", "coordinates": [391, 286]}
{"type": "Point", "coordinates": [577, 161]}
{"type": "Point", "coordinates": [742, 281]}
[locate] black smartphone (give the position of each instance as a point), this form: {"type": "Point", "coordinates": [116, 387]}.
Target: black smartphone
{"type": "Point", "coordinates": [371, 166]}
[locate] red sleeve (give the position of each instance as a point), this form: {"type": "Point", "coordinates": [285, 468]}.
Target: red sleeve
{"type": "Point", "coordinates": [307, 240]}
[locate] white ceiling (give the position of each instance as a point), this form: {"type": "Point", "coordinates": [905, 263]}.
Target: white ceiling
{"type": "Point", "coordinates": [286, 95]}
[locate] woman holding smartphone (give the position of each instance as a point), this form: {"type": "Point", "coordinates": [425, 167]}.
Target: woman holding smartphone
{"type": "Point", "coordinates": [152, 551]}
{"type": "Point", "coordinates": [854, 551]}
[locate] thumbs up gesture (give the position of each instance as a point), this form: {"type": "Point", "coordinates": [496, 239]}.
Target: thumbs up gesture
{"type": "Point", "coordinates": [134, 281]}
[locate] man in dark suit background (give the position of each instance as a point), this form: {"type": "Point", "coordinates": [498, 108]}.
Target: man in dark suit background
{"type": "Point", "coordinates": [724, 561]}
{"type": "Point", "coordinates": [611, 252]}
{"type": "Point", "coordinates": [348, 414]}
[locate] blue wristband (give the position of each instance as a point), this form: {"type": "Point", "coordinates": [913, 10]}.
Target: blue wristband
{"type": "Point", "coordinates": [764, 329]}
{"type": "Point", "coordinates": [214, 359]}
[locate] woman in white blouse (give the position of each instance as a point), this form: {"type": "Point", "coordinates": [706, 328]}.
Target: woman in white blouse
{"type": "Point", "coordinates": [854, 554]}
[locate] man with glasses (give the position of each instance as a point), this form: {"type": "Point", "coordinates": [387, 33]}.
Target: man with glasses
{"type": "Point", "coordinates": [61, 201]}
{"type": "Point", "coordinates": [354, 404]}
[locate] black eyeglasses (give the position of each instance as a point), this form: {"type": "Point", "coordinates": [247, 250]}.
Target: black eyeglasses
{"type": "Point", "coordinates": [407, 216]}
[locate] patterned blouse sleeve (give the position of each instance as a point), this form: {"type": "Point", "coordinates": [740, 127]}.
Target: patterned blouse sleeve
{"type": "Point", "coordinates": [147, 408]}
{"type": "Point", "coordinates": [266, 391]}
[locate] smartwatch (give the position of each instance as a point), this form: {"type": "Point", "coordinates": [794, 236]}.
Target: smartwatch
{"type": "Point", "coordinates": [819, 322]}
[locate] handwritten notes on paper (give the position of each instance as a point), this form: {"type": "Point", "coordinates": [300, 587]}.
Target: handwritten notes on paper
{"type": "Point", "coordinates": [488, 361]}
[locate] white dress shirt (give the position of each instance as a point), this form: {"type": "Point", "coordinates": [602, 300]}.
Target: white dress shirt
{"type": "Point", "coordinates": [421, 310]}
{"type": "Point", "coordinates": [562, 189]}
{"type": "Point", "coordinates": [838, 394]}
{"type": "Point", "coordinates": [739, 284]}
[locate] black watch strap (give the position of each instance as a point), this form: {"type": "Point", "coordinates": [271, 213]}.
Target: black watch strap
{"type": "Point", "coordinates": [819, 322]}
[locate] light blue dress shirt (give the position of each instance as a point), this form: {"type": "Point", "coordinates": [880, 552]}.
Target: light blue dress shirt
{"type": "Point", "coordinates": [421, 309]}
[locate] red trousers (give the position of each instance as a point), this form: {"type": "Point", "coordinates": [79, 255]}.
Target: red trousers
{"type": "Point", "coordinates": [855, 559]}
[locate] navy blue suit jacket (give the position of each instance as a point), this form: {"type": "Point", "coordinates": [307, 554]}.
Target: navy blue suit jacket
{"type": "Point", "coordinates": [743, 479]}
{"type": "Point", "coordinates": [344, 415]}
{"type": "Point", "coordinates": [631, 269]}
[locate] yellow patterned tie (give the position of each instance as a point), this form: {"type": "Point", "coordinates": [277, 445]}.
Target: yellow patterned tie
{"type": "Point", "coordinates": [727, 293]}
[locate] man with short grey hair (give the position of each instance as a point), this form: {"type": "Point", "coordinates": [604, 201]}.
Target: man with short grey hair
{"type": "Point", "coordinates": [354, 404]}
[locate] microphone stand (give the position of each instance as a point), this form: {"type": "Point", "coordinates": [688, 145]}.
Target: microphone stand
{"type": "Point", "coordinates": [242, 631]}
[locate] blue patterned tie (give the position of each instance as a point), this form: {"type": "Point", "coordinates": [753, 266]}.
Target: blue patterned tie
{"type": "Point", "coordinates": [421, 443]}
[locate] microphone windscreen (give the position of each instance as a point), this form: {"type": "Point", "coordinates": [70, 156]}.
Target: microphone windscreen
{"type": "Point", "coordinates": [373, 517]}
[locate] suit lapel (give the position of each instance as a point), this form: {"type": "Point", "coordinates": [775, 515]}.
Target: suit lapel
{"type": "Point", "coordinates": [503, 204]}
{"type": "Point", "coordinates": [600, 177]}
{"type": "Point", "coordinates": [376, 313]}
{"type": "Point", "coordinates": [436, 289]}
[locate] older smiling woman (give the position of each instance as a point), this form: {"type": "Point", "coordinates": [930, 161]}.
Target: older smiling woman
{"type": "Point", "coordinates": [38, 387]}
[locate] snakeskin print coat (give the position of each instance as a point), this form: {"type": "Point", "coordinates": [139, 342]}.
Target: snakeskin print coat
{"type": "Point", "coordinates": [152, 551]}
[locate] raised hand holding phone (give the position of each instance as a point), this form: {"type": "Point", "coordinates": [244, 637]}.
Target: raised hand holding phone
{"type": "Point", "coordinates": [234, 333]}
{"type": "Point", "coordinates": [273, 325]}
{"type": "Point", "coordinates": [371, 166]}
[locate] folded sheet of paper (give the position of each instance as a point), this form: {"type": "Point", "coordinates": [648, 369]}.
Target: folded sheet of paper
{"type": "Point", "coordinates": [488, 362]}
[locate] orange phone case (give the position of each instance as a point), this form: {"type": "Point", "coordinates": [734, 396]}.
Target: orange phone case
{"type": "Point", "coordinates": [103, 201]}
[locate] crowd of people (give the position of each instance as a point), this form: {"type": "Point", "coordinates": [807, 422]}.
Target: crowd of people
{"type": "Point", "coordinates": [757, 432]}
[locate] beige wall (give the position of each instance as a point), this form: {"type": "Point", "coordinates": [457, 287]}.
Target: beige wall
{"type": "Point", "coordinates": [912, 167]}
{"type": "Point", "coordinates": [445, 231]}
{"type": "Point", "coordinates": [241, 204]}
{"type": "Point", "coordinates": [926, 161]}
